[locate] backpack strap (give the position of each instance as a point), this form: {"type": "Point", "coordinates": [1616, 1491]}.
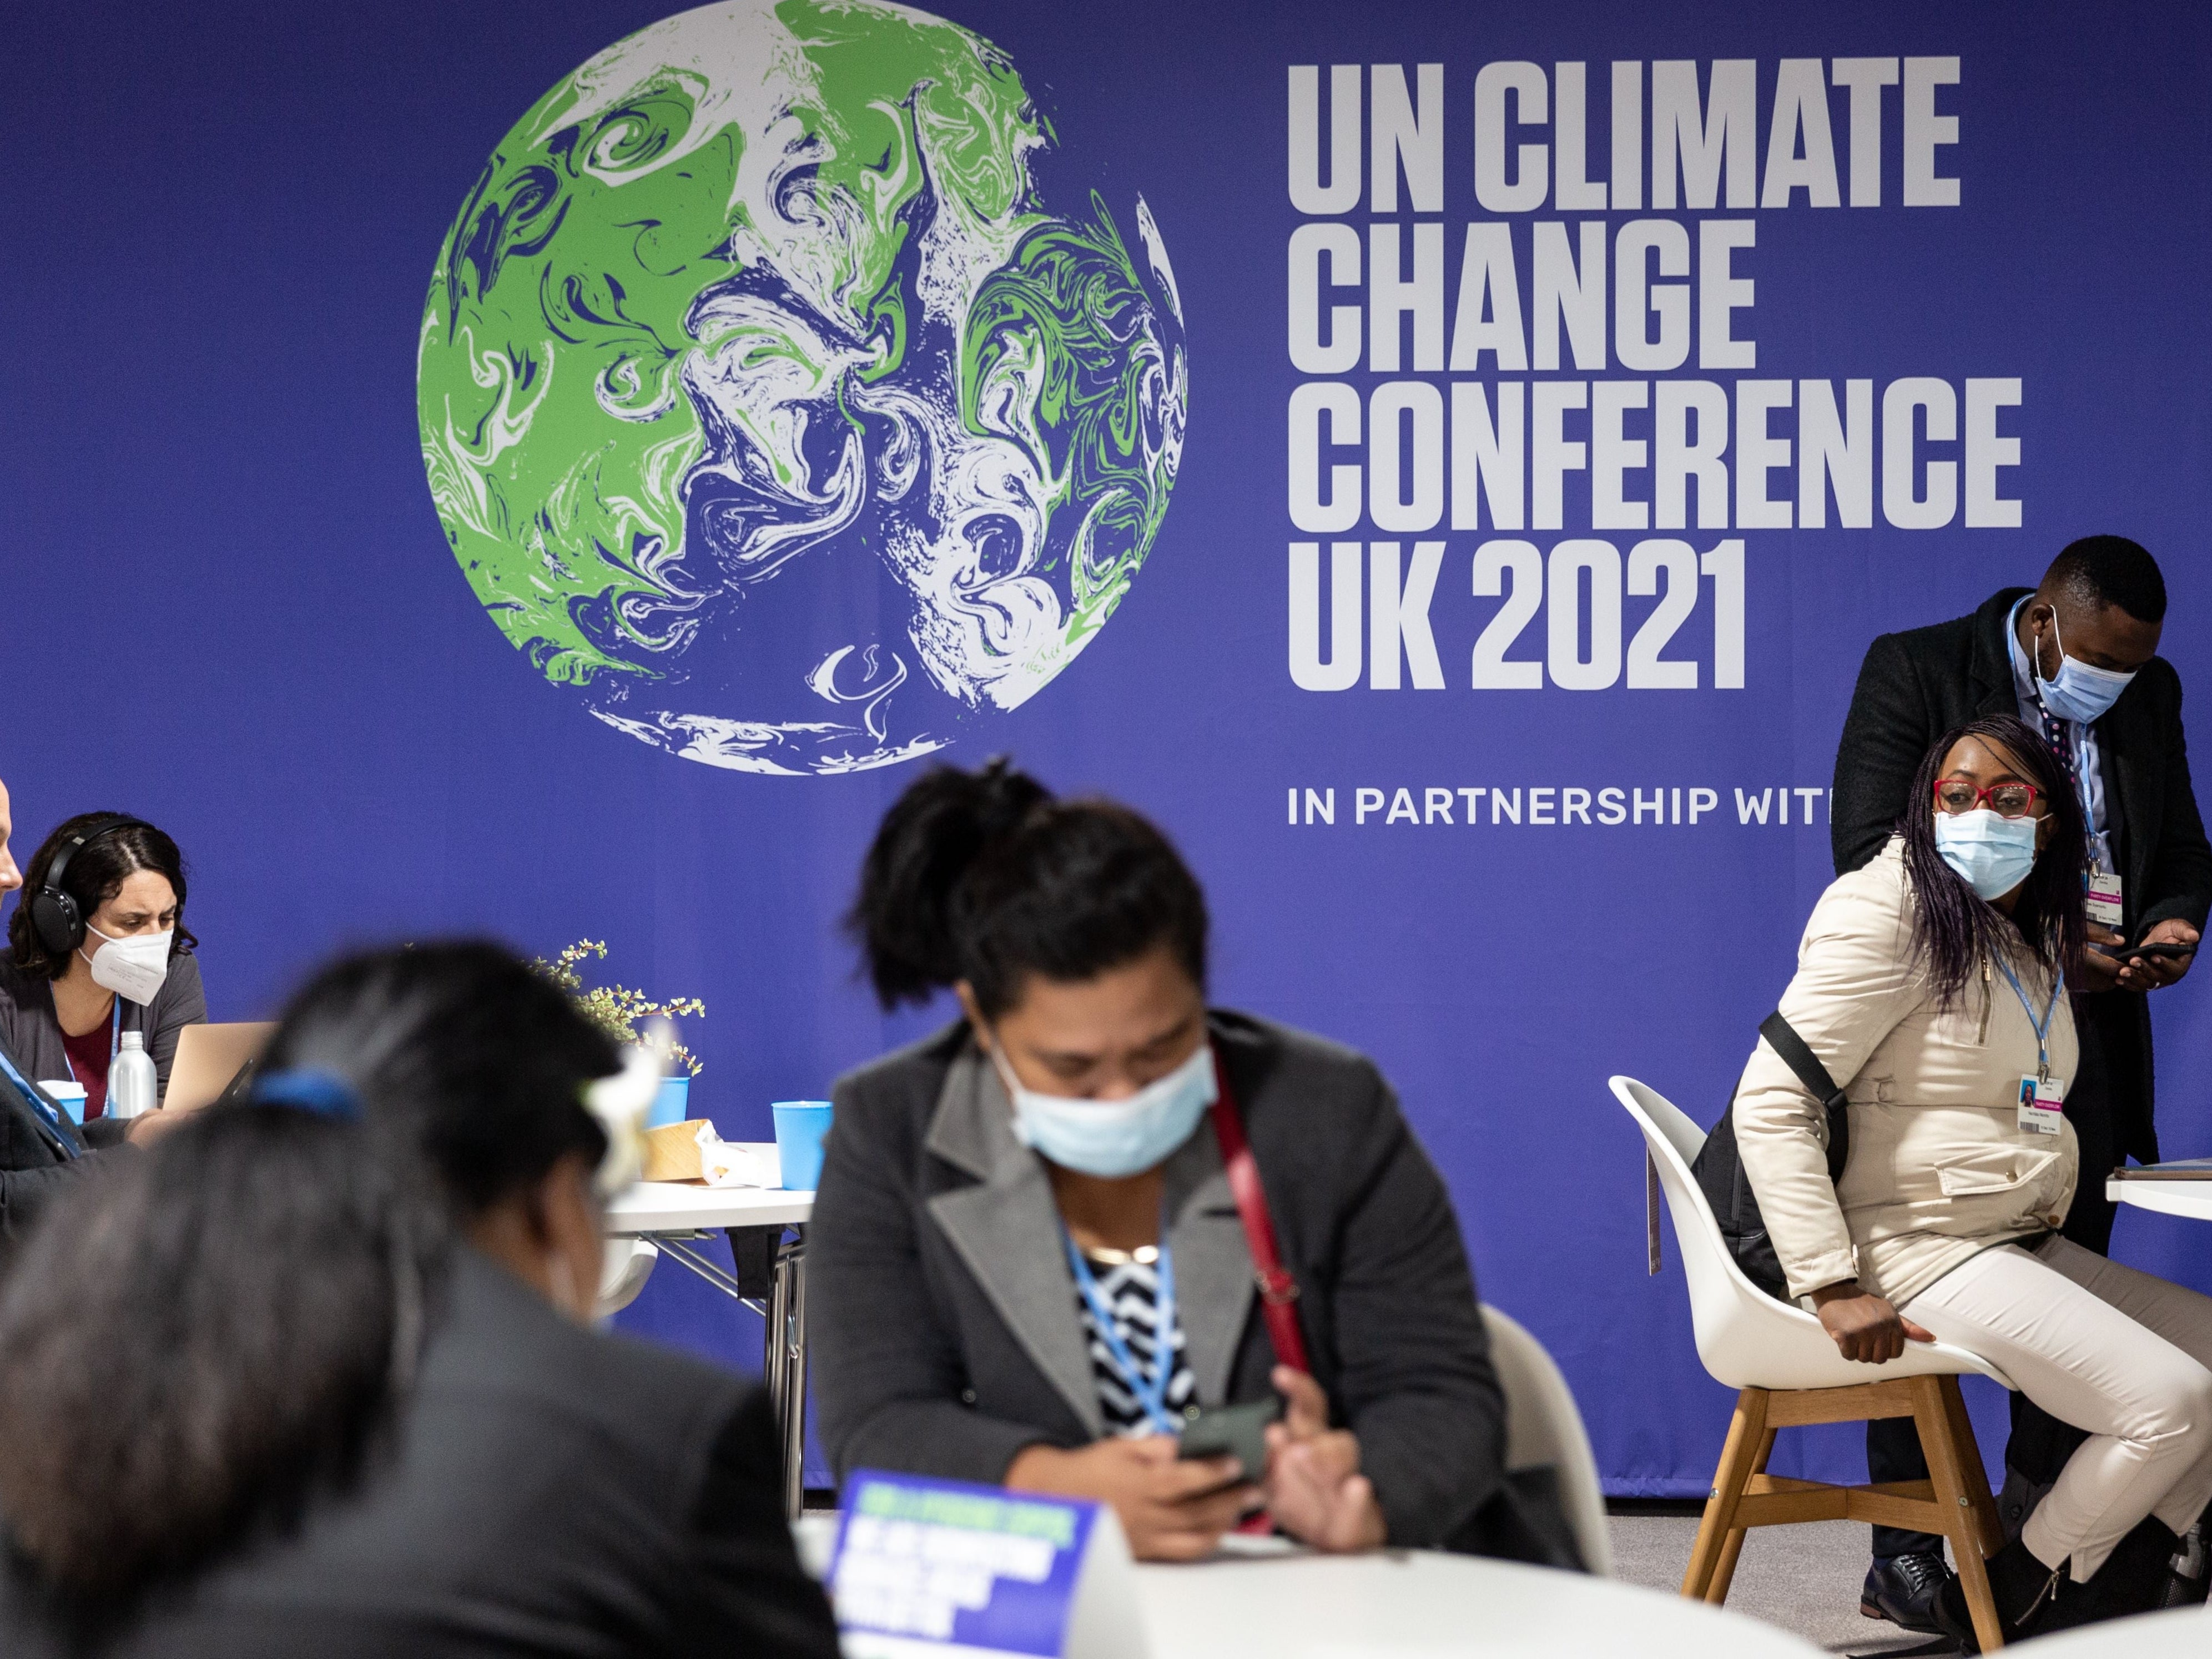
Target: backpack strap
{"type": "Point", "coordinates": [1782, 1036]}
{"type": "Point", "coordinates": [1651, 1260]}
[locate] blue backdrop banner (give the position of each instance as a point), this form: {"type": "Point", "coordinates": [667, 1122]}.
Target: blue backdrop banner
{"type": "Point", "coordinates": [559, 470]}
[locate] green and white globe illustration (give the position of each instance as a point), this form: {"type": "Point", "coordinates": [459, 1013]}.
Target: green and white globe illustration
{"type": "Point", "coordinates": [769, 405]}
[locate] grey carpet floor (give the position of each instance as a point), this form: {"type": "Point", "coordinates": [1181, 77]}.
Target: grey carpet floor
{"type": "Point", "coordinates": [1805, 1579]}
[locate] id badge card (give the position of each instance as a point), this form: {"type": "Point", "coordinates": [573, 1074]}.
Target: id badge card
{"type": "Point", "coordinates": [2042, 1104]}
{"type": "Point", "coordinates": [2104, 899]}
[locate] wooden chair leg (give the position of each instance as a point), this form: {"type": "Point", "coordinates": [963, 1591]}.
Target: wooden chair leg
{"type": "Point", "coordinates": [1747, 1440]}
{"type": "Point", "coordinates": [1732, 1545]}
{"type": "Point", "coordinates": [1979, 1498]}
{"type": "Point", "coordinates": [1939, 1439]}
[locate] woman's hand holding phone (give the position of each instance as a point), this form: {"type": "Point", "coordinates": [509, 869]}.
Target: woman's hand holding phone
{"type": "Point", "coordinates": [1172, 1510]}
{"type": "Point", "coordinates": [1177, 1509]}
{"type": "Point", "coordinates": [1316, 1492]}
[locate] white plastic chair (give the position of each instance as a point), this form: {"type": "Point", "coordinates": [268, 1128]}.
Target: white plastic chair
{"type": "Point", "coordinates": [1544, 1429]}
{"type": "Point", "coordinates": [628, 1262]}
{"type": "Point", "coordinates": [1788, 1373]}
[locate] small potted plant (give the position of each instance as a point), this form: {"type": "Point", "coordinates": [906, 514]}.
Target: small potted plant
{"type": "Point", "coordinates": [617, 1010]}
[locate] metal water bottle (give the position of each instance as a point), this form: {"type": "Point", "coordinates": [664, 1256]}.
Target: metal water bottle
{"type": "Point", "coordinates": [130, 1083]}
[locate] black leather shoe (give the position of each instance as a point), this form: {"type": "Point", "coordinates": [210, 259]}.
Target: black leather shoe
{"type": "Point", "coordinates": [2027, 1595]}
{"type": "Point", "coordinates": [1902, 1588]}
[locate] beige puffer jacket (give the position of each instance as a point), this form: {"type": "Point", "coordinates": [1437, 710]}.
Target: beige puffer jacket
{"type": "Point", "coordinates": [1939, 1169]}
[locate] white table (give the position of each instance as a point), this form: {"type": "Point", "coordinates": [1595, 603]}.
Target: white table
{"type": "Point", "coordinates": [2184, 1633]}
{"type": "Point", "coordinates": [1293, 1604]}
{"type": "Point", "coordinates": [674, 1214]}
{"type": "Point", "coordinates": [652, 1207]}
{"type": "Point", "coordinates": [1269, 1596]}
{"type": "Point", "coordinates": [2192, 1199]}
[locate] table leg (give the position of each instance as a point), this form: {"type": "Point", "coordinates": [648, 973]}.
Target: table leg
{"type": "Point", "coordinates": [784, 1361]}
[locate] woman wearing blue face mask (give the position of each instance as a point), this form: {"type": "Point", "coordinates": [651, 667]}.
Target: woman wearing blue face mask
{"type": "Point", "coordinates": [1932, 985]}
{"type": "Point", "coordinates": [1033, 1255]}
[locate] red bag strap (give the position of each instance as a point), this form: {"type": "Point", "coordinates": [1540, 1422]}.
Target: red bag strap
{"type": "Point", "coordinates": [1278, 1291]}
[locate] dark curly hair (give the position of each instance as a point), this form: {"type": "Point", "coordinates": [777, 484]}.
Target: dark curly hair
{"type": "Point", "coordinates": [95, 876]}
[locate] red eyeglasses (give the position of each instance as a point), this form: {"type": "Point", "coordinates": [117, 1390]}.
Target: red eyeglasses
{"type": "Point", "coordinates": [2007, 800]}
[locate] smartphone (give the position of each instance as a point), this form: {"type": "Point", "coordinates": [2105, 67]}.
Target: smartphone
{"type": "Point", "coordinates": [1237, 1431]}
{"type": "Point", "coordinates": [2122, 952]}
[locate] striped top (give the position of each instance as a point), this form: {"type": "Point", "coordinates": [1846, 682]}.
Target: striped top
{"type": "Point", "coordinates": [1131, 1289]}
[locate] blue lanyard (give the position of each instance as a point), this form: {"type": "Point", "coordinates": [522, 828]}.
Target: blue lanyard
{"type": "Point", "coordinates": [2098, 839]}
{"type": "Point", "coordinates": [2043, 1031]}
{"type": "Point", "coordinates": [65, 1141]}
{"type": "Point", "coordinates": [2054, 730]}
{"type": "Point", "coordinates": [1151, 1393]}
{"type": "Point", "coordinates": [2055, 735]}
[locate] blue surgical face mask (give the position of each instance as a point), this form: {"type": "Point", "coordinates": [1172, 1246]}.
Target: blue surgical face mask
{"type": "Point", "coordinates": [2079, 692]}
{"type": "Point", "coordinates": [1111, 1139]}
{"type": "Point", "coordinates": [1991, 855]}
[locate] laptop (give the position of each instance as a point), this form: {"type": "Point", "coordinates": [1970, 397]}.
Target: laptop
{"type": "Point", "coordinates": [209, 1058]}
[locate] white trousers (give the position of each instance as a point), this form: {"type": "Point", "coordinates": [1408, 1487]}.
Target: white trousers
{"type": "Point", "coordinates": [2121, 1353]}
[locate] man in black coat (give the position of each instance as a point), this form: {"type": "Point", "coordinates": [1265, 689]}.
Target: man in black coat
{"type": "Point", "coordinates": [2076, 660]}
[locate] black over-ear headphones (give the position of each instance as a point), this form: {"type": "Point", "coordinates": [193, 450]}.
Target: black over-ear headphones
{"type": "Point", "coordinates": [54, 915]}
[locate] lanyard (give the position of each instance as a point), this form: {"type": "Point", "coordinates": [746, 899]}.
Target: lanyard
{"type": "Point", "coordinates": [2043, 1031]}
{"type": "Point", "coordinates": [114, 1045]}
{"type": "Point", "coordinates": [2100, 840]}
{"type": "Point", "coordinates": [1151, 1394]}
{"type": "Point", "coordinates": [2060, 741]}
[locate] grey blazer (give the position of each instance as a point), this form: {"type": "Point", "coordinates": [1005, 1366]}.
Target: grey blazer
{"type": "Point", "coordinates": [945, 1320]}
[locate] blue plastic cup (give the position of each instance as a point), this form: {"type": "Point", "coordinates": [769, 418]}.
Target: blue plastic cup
{"type": "Point", "coordinates": [799, 1127]}
{"type": "Point", "coordinates": [671, 1105]}
{"type": "Point", "coordinates": [69, 1095]}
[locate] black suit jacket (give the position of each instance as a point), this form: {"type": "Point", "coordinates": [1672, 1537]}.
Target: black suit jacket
{"type": "Point", "coordinates": [36, 1165]}
{"type": "Point", "coordinates": [556, 1492]}
{"type": "Point", "coordinates": [1917, 685]}
{"type": "Point", "coordinates": [945, 1317]}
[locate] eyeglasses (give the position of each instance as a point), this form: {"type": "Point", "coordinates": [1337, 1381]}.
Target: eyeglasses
{"type": "Point", "coordinates": [2007, 800]}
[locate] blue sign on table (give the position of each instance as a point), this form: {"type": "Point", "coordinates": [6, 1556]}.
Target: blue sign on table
{"type": "Point", "coordinates": [935, 1566]}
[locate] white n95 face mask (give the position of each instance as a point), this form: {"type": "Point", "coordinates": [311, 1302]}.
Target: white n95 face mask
{"type": "Point", "coordinates": [1991, 855]}
{"type": "Point", "coordinates": [133, 967]}
{"type": "Point", "coordinates": [1111, 1139]}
